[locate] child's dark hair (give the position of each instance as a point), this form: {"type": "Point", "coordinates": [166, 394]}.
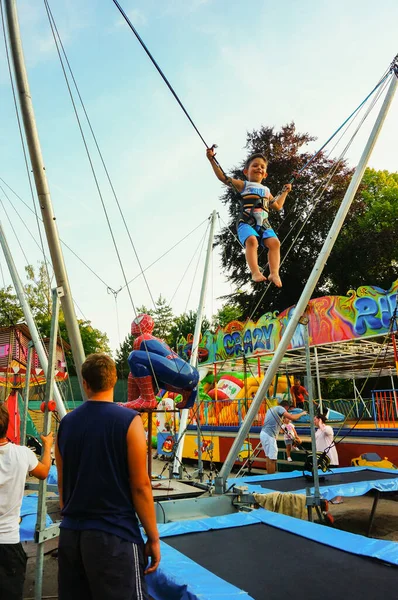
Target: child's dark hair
{"type": "Point", "coordinates": [253, 156]}
{"type": "Point", "coordinates": [322, 417]}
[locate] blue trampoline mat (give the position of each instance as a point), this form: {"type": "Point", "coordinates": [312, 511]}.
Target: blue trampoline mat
{"type": "Point", "coordinates": [267, 556]}
{"type": "Point", "coordinates": [348, 481]}
{"type": "Point", "coordinates": [28, 515]}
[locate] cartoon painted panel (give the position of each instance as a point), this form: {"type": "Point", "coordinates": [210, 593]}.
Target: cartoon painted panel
{"type": "Point", "coordinates": [209, 446]}
{"type": "Point", "coordinates": [365, 312]}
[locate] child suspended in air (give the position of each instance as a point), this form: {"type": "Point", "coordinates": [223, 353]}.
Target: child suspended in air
{"type": "Point", "coordinates": [253, 225]}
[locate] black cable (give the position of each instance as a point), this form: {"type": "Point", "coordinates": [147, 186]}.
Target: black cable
{"type": "Point", "coordinates": [163, 76]}
{"type": "Point", "coordinates": [393, 68]}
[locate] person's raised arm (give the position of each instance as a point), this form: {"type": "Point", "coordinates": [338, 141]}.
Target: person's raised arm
{"type": "Point", "coordinates": [58, 463]}
{"type": "Point", "coordinates": [279, 201]}
{"type": "Point", "coordinates": [294, 417]}
{"type": "Point", "coordinates": [236, 183]}
{"type": "Point", "coordinates": [141, 490]}
{"type": "Point", "coordinates": [43, 468]}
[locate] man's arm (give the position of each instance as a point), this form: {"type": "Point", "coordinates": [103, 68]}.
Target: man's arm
{"type": "Point", "coordinates": [43, 468]}
{"type": "Point", "coordinates": [279, 201]}
{"type": "Point", "coordinates": [58, 462]}
{"type": "Point", "coordinates": [141, 490]}
{"type": "Point", "coordinates": [292, 417]}
{"type": "Point", "coordinates": [236, 183]}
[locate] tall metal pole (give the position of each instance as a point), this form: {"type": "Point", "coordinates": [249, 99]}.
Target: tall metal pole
{"type": "Point", "coordinates": [41, 352]}
{"type": "Point", "coordinates": [311, 413]}
{"type": "Point", "coordinates": [43, 192]}
{"type": "Point", "coordinates": [41, 504]}
{"type": "Point", "coordinates": [318, 379]}
{"type": "Point", "coordinates": [309, 288]}
{"type": "Point", "coordinates": [194, 355]}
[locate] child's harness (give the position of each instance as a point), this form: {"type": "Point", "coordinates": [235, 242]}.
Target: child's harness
{"type": "Point", "coordinates": [252, 206]}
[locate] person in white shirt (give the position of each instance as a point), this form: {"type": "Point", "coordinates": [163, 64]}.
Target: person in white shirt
{"type": "Point", "coordinates": [324, 439]}
{"type": "Point", "coordinates": [15, 463]}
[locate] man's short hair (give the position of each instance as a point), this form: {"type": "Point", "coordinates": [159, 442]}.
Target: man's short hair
{"type": "Point", "coordinates": [4, 420]}
{"type": "Point", "coordinates": [99, 372]}
{"type": "Point", "coordinates": [253, 156]}
{"type": "Point", "coordinates": [285, 404]}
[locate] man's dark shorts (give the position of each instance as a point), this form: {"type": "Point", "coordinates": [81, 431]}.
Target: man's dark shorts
{"type": "Point", "coordinates": [12, 571]}
{"type": "Point", "coordinates": [94, 565]}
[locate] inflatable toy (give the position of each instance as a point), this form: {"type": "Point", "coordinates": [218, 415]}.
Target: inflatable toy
{"type": "Point", "coordinates": [153, 366]}
{"type": "Point", "coordinates": [228, 387]}
{"type": "Point", "coordinates": [371, 459]}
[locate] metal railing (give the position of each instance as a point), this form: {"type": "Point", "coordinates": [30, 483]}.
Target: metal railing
{"type": "Point", "coordinates": [385, 408]}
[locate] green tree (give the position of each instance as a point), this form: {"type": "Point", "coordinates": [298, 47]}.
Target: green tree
{"type": "Point", "coordinates": [226, 314]}
{"type": "Point", "coordinates": [366, 251]}
{"type": "Point", "coordinates": [184, 325]}
{"type": "Point", "coordinates": [38, 290]}
{"type": "Point", "coordinates": [163, 317]}
{"type": "Point", "coordinates": [286, 152]}
{"type": "Point", "coordinates": [93, 339]}
{"type": "Point", "coordinates": [10, 310]}
{"type": "Point", "coordinates": [122, 354]}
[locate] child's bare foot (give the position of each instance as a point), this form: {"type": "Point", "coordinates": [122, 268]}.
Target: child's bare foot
{"type": "Point", "coordinates": [276, 280]}
{"type": "Point", "coordinates": [258, 277]}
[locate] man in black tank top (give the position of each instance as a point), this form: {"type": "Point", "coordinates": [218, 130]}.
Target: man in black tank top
{"type": "Point", "coordinates": [103, 486]}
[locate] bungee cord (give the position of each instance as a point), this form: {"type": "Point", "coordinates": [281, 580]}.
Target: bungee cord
{"type": "Point", "coordinates": [200, 244]}
{"type": "Point", "coordinates": [392, 68]}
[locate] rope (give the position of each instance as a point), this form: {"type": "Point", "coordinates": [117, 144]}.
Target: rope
{"type": "Point", "coordinates": [163, 76]}
{"type": "Point", "coordinates": [201, 242]}
{"type": "Point", "coordinates": [93, 171]}
{"type": "Point", "coordinates": [56, 36]}
{"type": "Point", "coordinates": [393, 68]}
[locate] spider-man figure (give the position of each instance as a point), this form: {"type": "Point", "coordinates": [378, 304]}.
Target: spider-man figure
{"type": "Point", "coordinates": [154, 365]}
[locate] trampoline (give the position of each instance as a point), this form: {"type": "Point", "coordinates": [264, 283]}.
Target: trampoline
{"type": "Point", "coordinates": [348, 481]}
{"type": "Point", "coordinates": [263, 555]}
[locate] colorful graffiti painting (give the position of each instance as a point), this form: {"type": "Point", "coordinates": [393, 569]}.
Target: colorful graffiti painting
{"type": "Point", "coordinates": [365, 312]}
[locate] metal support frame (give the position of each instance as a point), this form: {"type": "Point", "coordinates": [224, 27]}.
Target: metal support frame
{"type": "Point", "coordinates": [194, 361]}
{"type": "Point", "coordinates": [26, 393]}
{"type": "Point", "coordinates": [318, 379]}
{"type": "Point", "coordinates": [41, 183]}
{"type": "Point", "coordinates": [357, 394]}
{"type": "Point", "coordinates": [41, 351]}
{"type": "Point", "coordinates": [317, 496]}
{"type": "Point", "coordinates": [41, 534]}
{"type": "Point", "coordinates": [373, 512]}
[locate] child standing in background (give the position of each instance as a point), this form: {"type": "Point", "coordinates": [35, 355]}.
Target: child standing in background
{"type": "Point", "coordinates": [290, 436]}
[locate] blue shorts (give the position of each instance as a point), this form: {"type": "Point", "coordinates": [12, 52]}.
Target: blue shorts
{"type": "Point", "coordinates": [245, 231]}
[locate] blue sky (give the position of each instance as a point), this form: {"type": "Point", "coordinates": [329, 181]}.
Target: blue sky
{"type": "Point", "coordinates": [236, 66]}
